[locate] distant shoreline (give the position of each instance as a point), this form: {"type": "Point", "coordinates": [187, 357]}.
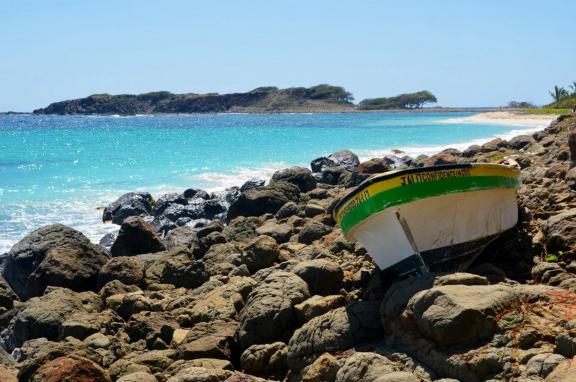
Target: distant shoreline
{"type": "Point", "coordinates": [343, 111]}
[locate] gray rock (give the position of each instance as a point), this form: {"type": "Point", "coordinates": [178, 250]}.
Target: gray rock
{"type": "Point", "coordinates": [181, 236]}
{"type": "Point", "coordinates": [459, 314]}
{"type": "Point", "coordinates": [337, 330]}
{"type": "Point", "coordinates": [136, 237]}
{"type": "Point", "coordinates": [130, 204]}
{"type": "Point", "coordinates": [313, 230]}
{"type": "Point", "coordinates": [368, 367]}
{"type": "Point", "coordinates": [260, 253]}
{"type": "Point", "coordinates": [299, 176]}
{"type": "Point", "coordinates": [287, 210]}
{"type": "Point", "coordinates": [177, 267]}
{"type": "Point", "coordinates": [323, 277]}
{"type": "Point", "coordinates": [269, 312]}
{"type": "Point", "coordinates": [139, 376]}
{"type": "Point", "coordinates": [128, 270]}
{"type": "Point", "coordinates": [346, 159]}
{"type": "Point", "coordinates": [264, 359]}
{"type": "Point", "coordinates": [280, 232]}
{"type": "Point", "coordinates": [542, 364]}
{"type": "Point", "coordinates": [73, 262]}
{"type": "Point", "coordinates": [560, 231]}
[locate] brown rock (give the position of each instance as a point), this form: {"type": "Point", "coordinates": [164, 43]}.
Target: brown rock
{"type": "Point", "coordinates": [374, 166]}
{"type": "Point", "coordinates": [136, 237]}
{"type": "Point", "coordinates": [71, 369]}
{"type": "Point", "coordinates": [7, 375]}
{"type": "Point", "coordinates": [564, 372]}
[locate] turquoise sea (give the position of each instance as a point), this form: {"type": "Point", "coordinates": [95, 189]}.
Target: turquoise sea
{"type": "Point", "coordinates": [61, 168]}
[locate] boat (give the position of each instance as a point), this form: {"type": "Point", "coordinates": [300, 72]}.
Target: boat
{"type": "Point", "coordinates": [430, 219]}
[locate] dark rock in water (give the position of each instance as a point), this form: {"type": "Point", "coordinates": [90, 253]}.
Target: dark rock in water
{"type": "Point", "coordinates": [130, 204]}
{"type": "Point", "coordinates": [269, 313]}
{"type": "Point", "coordinates": [107, 240]}
{"type": "Point", "coordinates": [72, 266]}
{"type": "Point", "coordinates": [374, 166]}
{"type": "Point", "coordinates": [346, 159]}
{"type": "Point", "coordinates": [299, 176]}
{"type": "Point", "coordinates": [321, 164]}
{"type": "Point", "coordinates": [29, 253]}
{"type": "Point", "coordinates": [332, 175]}
{"type": "Point", "coordinates": [195, 193]}
{"type": "Point", "coordinates": [136, 237]}
{"type": "Point", "coordinates": [252, 183]}
{"type": "Point", "coordinates": [128, 270]}
{"type": "Point", "coordinates": [167, 200]}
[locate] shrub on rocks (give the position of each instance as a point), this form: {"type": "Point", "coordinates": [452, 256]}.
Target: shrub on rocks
{"type": "Point", "coordinates": [269, 313]}
{"type": "Point", "coordinates": [73, 260]}
{"type": "Point", "coordinates": [136, 237]}
{"type": "Point", "coordinates": [130, 204]}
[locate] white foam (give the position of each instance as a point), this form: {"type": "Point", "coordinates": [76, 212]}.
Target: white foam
{"type": "Point", "coordinates": [217, 181]}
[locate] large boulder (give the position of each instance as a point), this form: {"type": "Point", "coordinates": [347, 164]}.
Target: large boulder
{"type": "Point", "coordinates": [560, 231]}
{"type": "Point", "coordinates": [262, 200]}
{"type": "Point", "coordinates": [260, 253]}
{"type": "Point", "coordinates": [337, 330]}
{"type": "Point", "coordinates": [460, 314]}
{"type": "Point", "coordinates": [166, 201]}
{"type": "Point", "coordinates": [136, 237]}
{"type": "Point", "coordinates": [313, 230]}
{"type": "Point", "coordinates": [563, 372]}
{"type": "Point", "coordinates": [128, 270]}
{"type": "Point", "coordinates": [269, 312]}
{"type": "Point", "coordinates": [322, 276]}
{"type": "Point", "coordinates": [130, 204]}
{"type": "Point", "coordinates": [264, 359]}
{"type": "Point", "coordinates": [44, 316]}
{"type": "Point", "coordinates": [73, 259]}
{"type": "Point", "coordinates": [374, 166]}
{"type": "Point", "coordinates": [299, 176]}
{"type": "Point", "coordinates": [346, 159]}
{"type": "Point", "coordinates": [177, 267]}
{"type": "Point", "coordinates": [71, 368]}
{"type": "Point", "coordinates": [372, 367]}
{"type": "Point", "coordinates": [7, 296]}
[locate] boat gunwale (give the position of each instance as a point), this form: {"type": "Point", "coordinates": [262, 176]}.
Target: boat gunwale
{"type": "Point", "coordinates": [514, 172]}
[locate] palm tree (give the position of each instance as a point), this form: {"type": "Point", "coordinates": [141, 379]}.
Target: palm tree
{"type": "Point", "coordinates": [573, 87]}
{"type": "Point", "coordinates": [559, 93]}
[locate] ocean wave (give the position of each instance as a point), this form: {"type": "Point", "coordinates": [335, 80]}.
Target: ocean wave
{"type": "Point", "coordinates": [217, 181]}
{"type": "Point", "coordinates": [414, 151]}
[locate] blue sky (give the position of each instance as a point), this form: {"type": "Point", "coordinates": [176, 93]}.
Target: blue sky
{"type": "Point", "coordinates": [468, 53]}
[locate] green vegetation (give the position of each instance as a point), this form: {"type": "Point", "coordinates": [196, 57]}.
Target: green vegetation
{"type": "Point", "coordinates": [154, 96]}
{"type": "Point", "coordinates": [546, 110]}
{"type": "Point", "coordinates": [403, 101]}
{"type": "Point", "coordinates": [563, 98]}
{"type": "Point", "coordinates": [329, 92]}
{"type": "Point", "coordinates": [521, 105]}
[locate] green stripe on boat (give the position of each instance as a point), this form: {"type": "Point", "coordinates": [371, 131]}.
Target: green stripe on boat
{"type": "Point", "coordinates": [401, 195]}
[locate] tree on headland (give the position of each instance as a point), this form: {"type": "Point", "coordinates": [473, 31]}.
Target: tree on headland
{"type": "Point", "coordinates": [523, 104]}
{"type": "Point", "coordinates": [559, 93]}
{"type": "Point", "coordinates": [402, 101]}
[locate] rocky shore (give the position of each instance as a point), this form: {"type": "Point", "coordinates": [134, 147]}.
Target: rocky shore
{"type": "Point", "coordinates": [257, 283]}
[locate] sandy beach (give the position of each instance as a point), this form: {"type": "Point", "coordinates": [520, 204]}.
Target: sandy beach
{"type": "Point", "coordinates": [508, 118]}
